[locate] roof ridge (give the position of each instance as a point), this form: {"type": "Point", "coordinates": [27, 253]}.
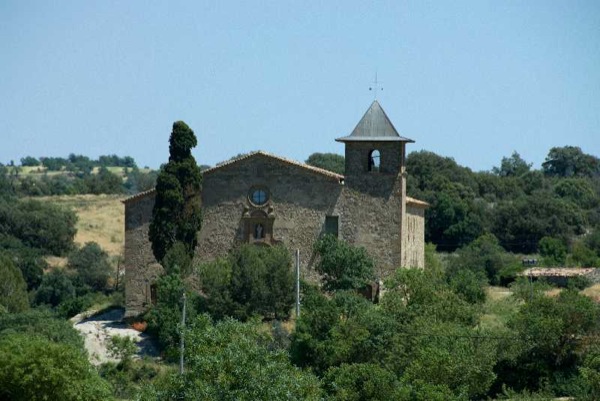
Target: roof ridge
{"type": "Point", "coordinates": [281, 158]}
{"type": "Point", "coordinates": [244, 157]}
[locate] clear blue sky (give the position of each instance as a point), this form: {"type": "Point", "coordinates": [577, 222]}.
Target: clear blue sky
{"type": "Point", "coordinates": [471, 80]}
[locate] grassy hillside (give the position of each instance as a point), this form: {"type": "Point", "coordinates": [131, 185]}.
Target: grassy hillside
{"type": "Point", "coordinates": [100, 219]}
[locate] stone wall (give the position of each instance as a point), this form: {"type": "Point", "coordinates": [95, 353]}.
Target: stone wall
{"type": "Point", "coordinates": [141, 269]}
{"type": "Point", "coordinates": [299, 201]}
{"type": "Point", "coordinates": [414, 240]}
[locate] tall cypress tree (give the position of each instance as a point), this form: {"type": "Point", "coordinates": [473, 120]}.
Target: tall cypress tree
{"type": "Point", "coordinates": [176, 216]}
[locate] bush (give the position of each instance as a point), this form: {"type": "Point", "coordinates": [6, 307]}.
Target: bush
{"type": "Point", "coordinates": [253, 280]}
{"type": "Point", "coordinates": [13, 288]}
{"type": "Point", "coordinates": [42, 323]}
{"type": "Point", "coordinates": [230, 360]}
{"type": "Point", "coordinates": [56, 288]}
{"type": "Point", "coordinates": [361, 382]}
{"type": "Point", "coordinates": [39, 225]}
{"type": "Point", "coordinates": [343, 267]}
{"type": "Point", "coordinates": [164, 319]}
{"type": "Point", "coordinates": [92, 266]}
{"type": "Point", "coordinates": [468, 285]}
{"type": "Point", "coordinates": [484, 257]}
{"type": "Point", "coordinates": [554, 251]}
{"type": "Point", "coordinates": [28, 260]}
{"type": "Point", "coordinates": [53, 371]}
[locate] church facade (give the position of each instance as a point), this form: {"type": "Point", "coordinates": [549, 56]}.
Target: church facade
{"type": "Point", "coordinates": [260, 198]}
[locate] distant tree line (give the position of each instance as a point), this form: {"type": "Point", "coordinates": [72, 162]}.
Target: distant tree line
{"type": "Point", "coordinates": [77, 162]}
{"type": "Point", "coordinates": [76, 175]}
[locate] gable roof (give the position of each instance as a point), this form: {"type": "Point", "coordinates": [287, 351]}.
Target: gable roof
{"type": "Point", "coordinates": [329, 174]}
{"type": "Point", "coordinates": [305, 166]}
{"type": "Point", "coordinates": [374, 126]}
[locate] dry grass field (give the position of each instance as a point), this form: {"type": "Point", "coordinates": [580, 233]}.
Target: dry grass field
{"type": "Point", "coordinates": [593, 292]}
{"type": "Point", "coordinates": [100, 219]}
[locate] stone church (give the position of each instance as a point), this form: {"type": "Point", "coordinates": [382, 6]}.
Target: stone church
{"type": "Point", "coordinates": [260, 198]}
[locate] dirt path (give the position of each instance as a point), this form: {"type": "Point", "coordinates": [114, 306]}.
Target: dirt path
{"type": "Point", "coordinates": [97, 330]}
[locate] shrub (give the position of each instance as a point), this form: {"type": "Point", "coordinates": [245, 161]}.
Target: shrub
{"type": "Point", "coordinates": [56, 288]}
{"type": "Point", "coordinates": [343, 267]}
{"type": "Point", "coordinates": [484, 257]}
{"type": "Point", "coordinates": [92, 266]}
{"type": "Point", "coordinates": [253, 280]}
{"type": "Point", "coordinates": [53, 371]}
{"type": "Point", "coordinates": [230, 360]}
{"type": "Point", "coordinates": [13, 288]}
{"type": "Point", "coordinates": [553, 251]}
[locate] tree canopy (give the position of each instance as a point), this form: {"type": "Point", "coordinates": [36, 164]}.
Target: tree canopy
{"type": "Point", "coordinates": [328, 161]}
{"type": "Point", "coordinates": [176, 216]}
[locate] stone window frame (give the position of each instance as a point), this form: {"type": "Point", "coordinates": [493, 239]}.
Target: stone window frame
{"type": "Point", "coordinates": [259, 188]}
{"type": "Point", "coordinates": [374, 161]}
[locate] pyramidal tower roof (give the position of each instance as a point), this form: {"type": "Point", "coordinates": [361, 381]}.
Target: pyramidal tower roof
{"type": "Point", "coordinates": [374, 126]}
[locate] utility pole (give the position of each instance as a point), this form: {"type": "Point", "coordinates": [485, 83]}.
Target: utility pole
{"type": "Point", "coordinates": [297, 283]}
{"type": "Point", "coordinates": [181, 342]}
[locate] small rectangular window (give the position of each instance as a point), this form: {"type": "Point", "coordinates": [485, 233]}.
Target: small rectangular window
{"type": "Point", "coordinates": [332, 225]}
{"type": "Point", "coordinates": [153, 294]}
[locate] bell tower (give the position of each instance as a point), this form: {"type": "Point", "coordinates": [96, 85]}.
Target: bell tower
{"type": "Point", "coordinates": [375, 152]}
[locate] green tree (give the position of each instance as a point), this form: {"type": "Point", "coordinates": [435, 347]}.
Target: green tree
{"type": "Point", "coordinates": [176, 215]}
{"type": "Point", "coordinates": [513, 166]}
{"type": "Point", "coordinates": [43, 323]}
{"type": "Point", "coordinates": [29, 161]}
{"type": "Point", "coordinates": [361, 382]}
{"type": "Point", "coordinates": [345, 328]}
{"type": "Point", "coordinates": [328, 161]}
{"type": "Point", "coordinates": [139, 181]}
{"type": "Point", "coordinates": [553, 250]}
{"type": "Point", "coordinates": [54, 163]}
{"type": "Point", "coordinates": [455, 356]}
{"type": "Point", "coordinates": [56, 288]}
{"type": "Point", "coordinates": [343, 266]}
{"type": "Point", "coordinates": [164, 318]}
{"type": "Point", "coordinates": [34, 368]}
{"type": "Point", "coordinates": [230, 360]}
{"type": "Point", "coordinates": [484, 257]}
{"type": "Point", "coordinates": [28, 260]}
{"type": "Point", "coordinates": [577, 190]}
{"type": "Point", "coordinates": [582, 255]}
{"type": "Point", "coordinates": [520, 224]}
{"type": "Point", "coordinates": [570, 161]}
{"type": "Point", "coordinates": [104, 182]}
{"type": "Point", "coordinates": [252, 281]}
{"type": "Point", "coordinates": [123, 348]}
{"type": "Point", "coordinates": [47, 227]}
{"type": "Point", "coordinates": [92, 266]}
{"type": "Point", "coordinates": [590, 375]}
{"type": "Point", "coordinates": [13, 288]}
{"type": "Point", "coordinates": [551, 330]}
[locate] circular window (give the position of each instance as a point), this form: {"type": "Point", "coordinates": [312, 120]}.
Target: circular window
{"type": "Point", "coordinates": [259, 196]}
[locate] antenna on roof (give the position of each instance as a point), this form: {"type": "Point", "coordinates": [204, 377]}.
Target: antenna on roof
{"type": "Point", "coordinates": [375, 88]}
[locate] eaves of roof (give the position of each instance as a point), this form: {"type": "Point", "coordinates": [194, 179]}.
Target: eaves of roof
{"type": "Point", "coordinates": [416, 202]}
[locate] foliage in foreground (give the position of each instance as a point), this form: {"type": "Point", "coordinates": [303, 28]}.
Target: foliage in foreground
{"type": "Point", "coordinates": [251, 281]}
{"type": "Point", "coordinates": [34, 368]}
{"type": "Point", "coordinates": [343, 266]}
{"type": "Point", "coordinates": [230, 360]}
